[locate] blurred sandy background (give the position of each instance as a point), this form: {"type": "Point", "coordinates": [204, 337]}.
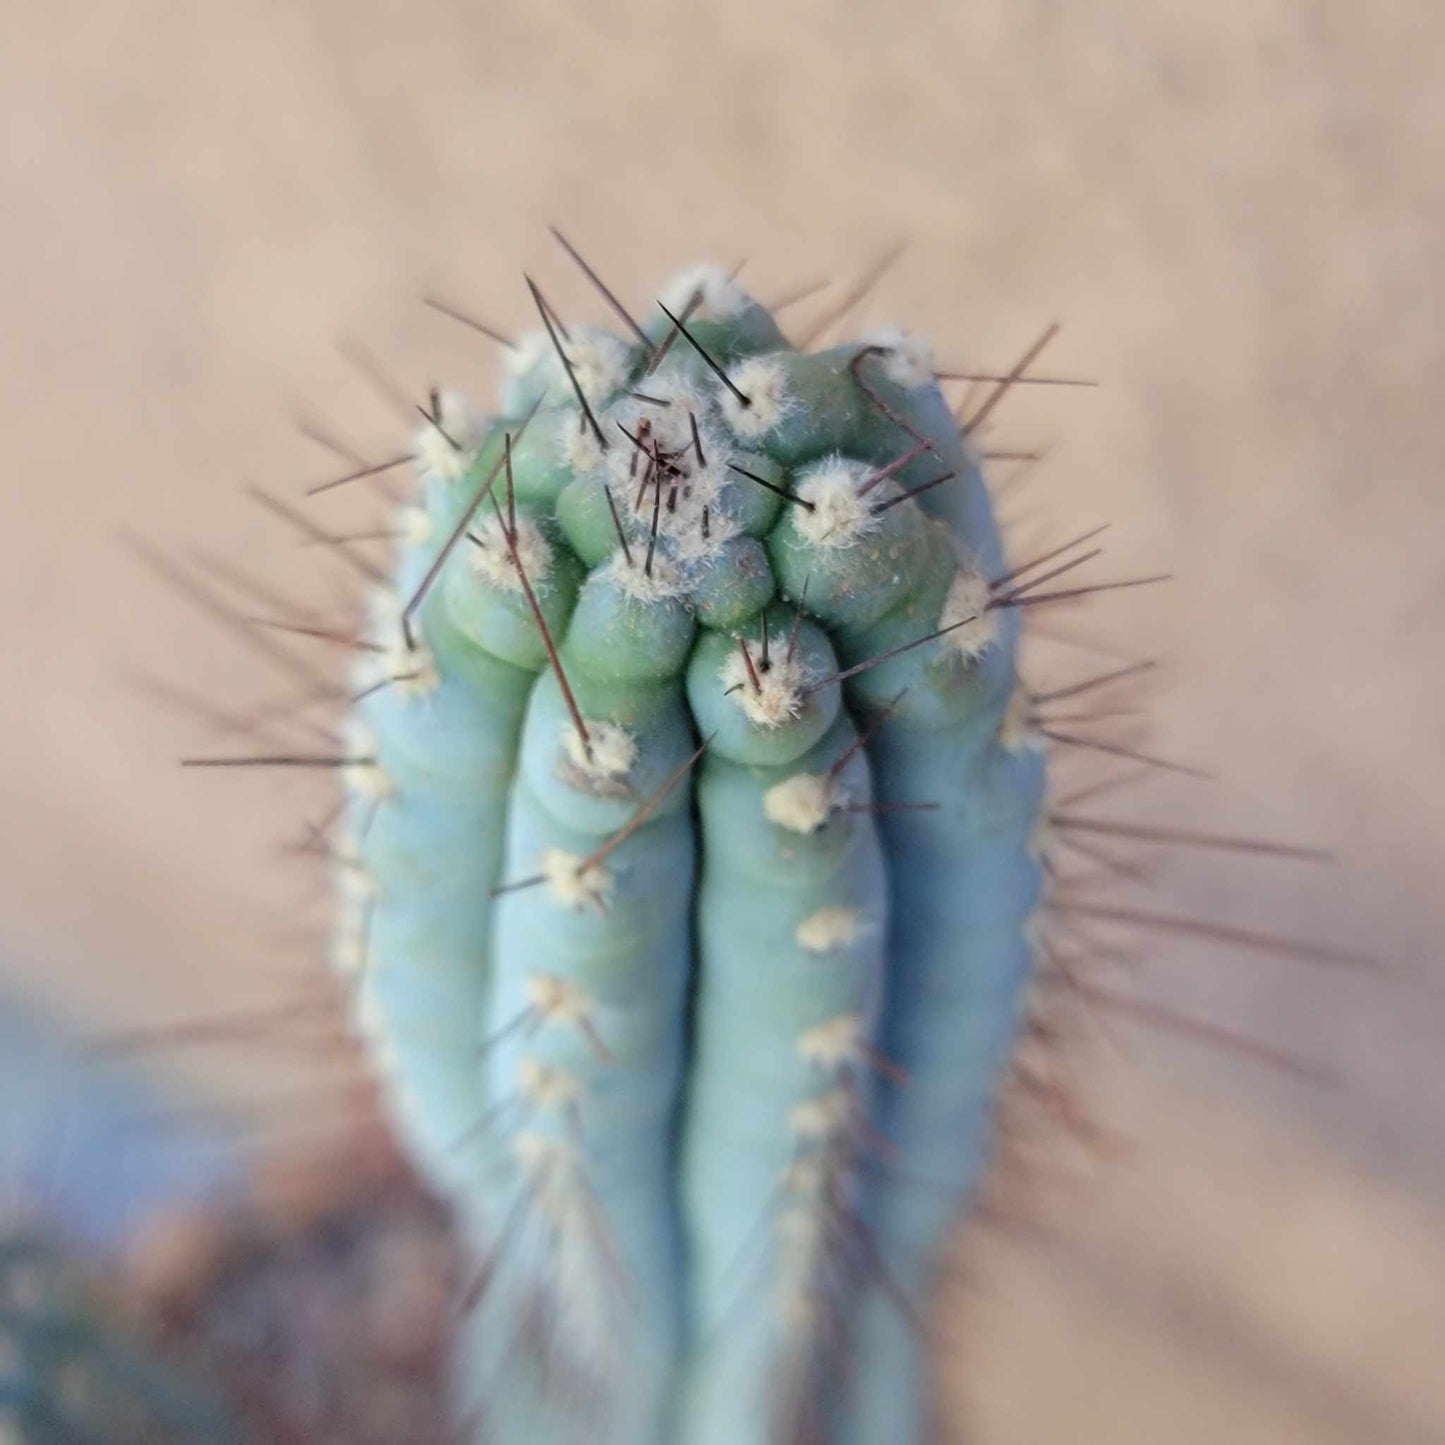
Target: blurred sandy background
{"type": "Point", "coordinates": [1239, 221]}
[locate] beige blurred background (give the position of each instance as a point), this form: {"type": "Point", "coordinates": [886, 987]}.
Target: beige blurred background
{"type": "Point", "coordinates": [1239, 221]}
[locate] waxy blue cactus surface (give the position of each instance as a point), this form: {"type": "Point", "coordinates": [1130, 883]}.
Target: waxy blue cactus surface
{"type": "Point", "coordinates": [688, 871]}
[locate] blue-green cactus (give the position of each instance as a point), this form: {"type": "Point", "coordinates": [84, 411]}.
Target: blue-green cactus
{"type": "Point", "coordinates": [688, 871]}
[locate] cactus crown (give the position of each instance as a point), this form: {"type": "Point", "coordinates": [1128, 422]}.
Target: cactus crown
{"type": "Point", "coordinates": [687, 867]}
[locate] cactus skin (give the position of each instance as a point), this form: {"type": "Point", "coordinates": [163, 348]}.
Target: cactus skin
{"type": "Point", "coordinates": [710, 1105]}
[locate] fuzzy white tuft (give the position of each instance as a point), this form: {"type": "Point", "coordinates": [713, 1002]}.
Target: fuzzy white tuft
{"type": "Point", "coordinates": [830, 928]}
{"type": "Point", "coordinates": [581, 450]}
{"type": "Point", "coordinates": [490, 556]}
{"type": "Point", "coordinates": [834, 1045]}
{"type": "Point", "coordinates": [907, 360]}
{"type": "Point", "coordinates": [966, 610]}
{"type": "Point", "coordinates": [544, 1086]}
{"type": "Point", "coordinates": [559, 1000]}
{"type": "Point", "coordinates": [365, 778]}
{"type": "Point", "coordinates": [348, 950]}
{"type": "Point", "coordinates": [415, 525]}
{"type": "Point", "coordinates": [666, 580]}
{"type": "Point", "coordinates": [613, 752]}
{"type": "Point", "coordinates": [718, 297]}
{"type": "Point", "coordinates": [572, 885]}
{"type": "Point", "coordinates": [764, 381]}
{"type": "Point", "coordinates": [802, 803]}
{"type": "Point", "coordinates": [777, 700]}
{"type": "Point", "coordinates": [1017, 731]}
{"type": "Point", "coordinates": [446, 449]}
{"type": "Point", "coordinates": [839, 516]}
{"type": "Point", "coordinates": [824, 1118]}
{"type": "Point", "coordinates": [354, 881]}
{"type": "Point", "coordinates": [410, 671]}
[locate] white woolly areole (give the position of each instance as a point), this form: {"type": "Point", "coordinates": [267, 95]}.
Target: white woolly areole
{"type": "Point", "coordinates": [778, 698]}
{"type": "Point", "coordinates": [614, 751]}
{"type": "Point", "coordinates": [719, 298]}
{"type": "Point", "coordinates": [348, 951]}
{"type": "Point", "coordinates": [966, 610]}
{"type": "Point", "coordinates": [600, 361]}
{"type": "Point", "coordinates": [666, 580]}
{"type": "Point", "coordinates": [839, 515]}
{"type": "Point", "coordinates": [825, 1117]}
{"type": "Point", "coordinates": [1017, 730]}
{"type": "Point", "coordinates": [365, 778]}
{"type": "Point", "coordinates": [836, 1044]}
{"type": "Point", "coordinates": [572, 885]}
{"type": "Point", "coordinates": [547, 1087]}
{"type": "Point", "coordinates": [830, 928]}
{"type": "Point", "coordinates": [545, 1162]}
{"type": "Point", "coordinates": [527, 353]}
{"type": "Point", "coordinates": [490, 556]}
{"type": "Point", "coordinates": [383, 613]}
{"type": "Point", "coordinates": [372, 1024]}
{"type": "Point", "coordinates": [463, 425]}
{"type": "Point", "coordinates": [907, 360]}
{"type": "Point", "coordinates": [802, 803]}
{"type": "Point", "coordinates": [354, 880]}
{"type": "Point", "coordinates": [415, 525]}
{"type": "Point", "coordinates": [764, 382]}
{"type": "Point", "coordinates": [559, 1000]}
{"type": "Point", "coordinates": [581, 450]}
{"type": "Point", "coordinates": [410, 671]}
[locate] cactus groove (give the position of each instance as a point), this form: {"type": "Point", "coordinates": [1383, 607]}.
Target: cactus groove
{"type": "Point", "coordinates": [688, 870]}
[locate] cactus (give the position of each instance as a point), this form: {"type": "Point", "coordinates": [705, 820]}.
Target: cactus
{"type": "Point", "coordinates": [688, 872]}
